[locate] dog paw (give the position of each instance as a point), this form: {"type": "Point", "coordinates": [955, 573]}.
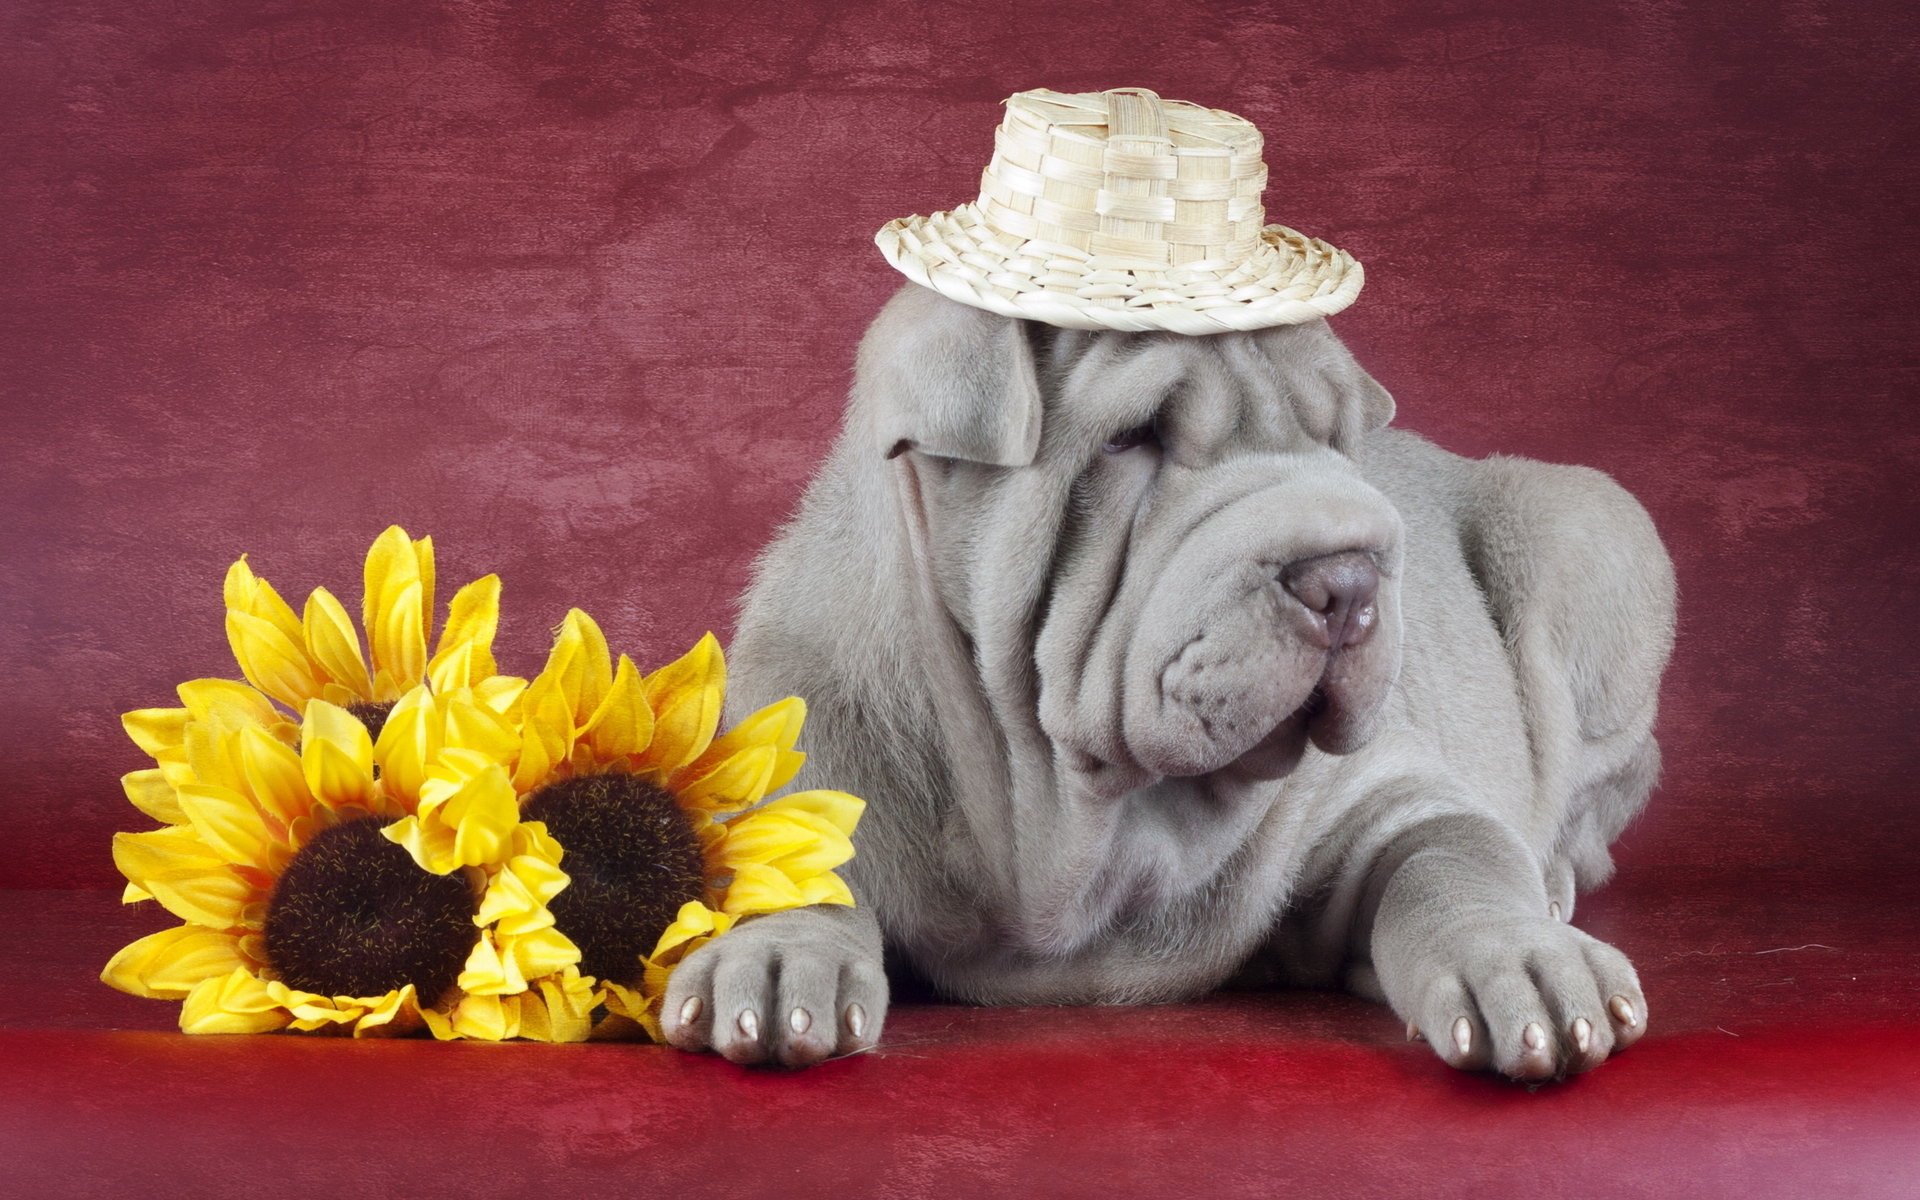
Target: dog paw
{"type": "Point", "coordinates": [789, 987]}
{"type": "Point", "coordinates": [1534, 999]}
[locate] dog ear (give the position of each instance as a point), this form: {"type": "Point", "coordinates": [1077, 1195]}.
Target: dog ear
{"type": "Point", "coordinates": [1376, 403]}
{"type": "Point", "coordinates": [950, 380]}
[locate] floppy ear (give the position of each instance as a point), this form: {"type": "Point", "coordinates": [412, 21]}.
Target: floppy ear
{"type": "Point", "coordinates": [1376, 403]}
{"type": "Point", "coordinates": [951, 380]}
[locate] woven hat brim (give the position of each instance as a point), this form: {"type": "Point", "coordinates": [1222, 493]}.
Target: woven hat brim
{"type": "Point", "coordinates": [1288, 279]}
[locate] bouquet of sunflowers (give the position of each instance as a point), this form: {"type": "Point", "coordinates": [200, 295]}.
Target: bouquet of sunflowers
{"type": "Point", "coordinates": [402, 840]}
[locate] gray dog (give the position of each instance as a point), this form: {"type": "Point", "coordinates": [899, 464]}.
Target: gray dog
{"type": "Point", "coordinates": [1161, 664]}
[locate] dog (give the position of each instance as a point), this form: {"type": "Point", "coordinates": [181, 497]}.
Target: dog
{"type": "Point", "coordinates": [1163, 664]}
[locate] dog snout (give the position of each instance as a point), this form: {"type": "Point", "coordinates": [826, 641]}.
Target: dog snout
{"type": "Point", "coordinates": [1338, 591]}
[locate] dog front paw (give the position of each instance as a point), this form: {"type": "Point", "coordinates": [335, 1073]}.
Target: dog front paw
{"type": "Point", "coordinates": [1529, 998]}
{"type": "Point", "coordinates": [789, 987]}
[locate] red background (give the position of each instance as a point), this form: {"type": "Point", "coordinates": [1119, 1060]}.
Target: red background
{"type": "Point", "coordinates": [574, 287]}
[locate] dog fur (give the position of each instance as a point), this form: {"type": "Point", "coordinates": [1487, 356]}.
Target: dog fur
{"type": "Point", "coordinates": [1106, 760]}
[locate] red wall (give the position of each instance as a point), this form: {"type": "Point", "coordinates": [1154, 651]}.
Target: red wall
{"type": "Point", "coordinates": [575, 288]}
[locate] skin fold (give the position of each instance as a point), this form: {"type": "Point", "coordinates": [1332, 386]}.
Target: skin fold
{"type": "Point", "coordinates": [1162, 663]}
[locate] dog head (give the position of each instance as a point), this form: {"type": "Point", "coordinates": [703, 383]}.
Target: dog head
{"type": "Point", "coordinates": [1164, 537]}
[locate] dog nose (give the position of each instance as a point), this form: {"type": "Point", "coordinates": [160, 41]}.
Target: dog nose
{"type": "Point", "coordinates": [1340, 590]}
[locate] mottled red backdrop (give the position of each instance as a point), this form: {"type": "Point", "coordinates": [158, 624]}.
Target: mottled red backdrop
{"type": "Point", "coordinates": [575, 288]}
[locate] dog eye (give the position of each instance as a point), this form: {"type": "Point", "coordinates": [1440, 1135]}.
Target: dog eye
{"type": "Point", "coordinates": [1139, 435]}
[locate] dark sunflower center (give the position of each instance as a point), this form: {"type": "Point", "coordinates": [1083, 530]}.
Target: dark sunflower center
{"type": "Point", "coordinates": [633, 860]}
{"type": "Point", "coordinates": [373, 716]}
{"type": "Point", "coordinates": [354, 915]}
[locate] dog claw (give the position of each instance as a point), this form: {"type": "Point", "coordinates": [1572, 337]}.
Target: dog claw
{"type": "Point", "coordinates": [749, 1025]}
{"type": "Point", "coordinates": [1582, 1034]}
{"type": "Point", "coordinates": [1622, 1009]}
{"type": "Point", "coordinates": [800, 1020]}
{"type": "Point", "coordinates": [1553, 910]}
{"type": "Point", "coordinates": [1414, 1034]}
{"type": "Point", "coordinates": [856, 1020]}
{"type": "Point", "coordinates": [1463, 1035]}
{"type": "Point", "coordinates": [1536, 1037]}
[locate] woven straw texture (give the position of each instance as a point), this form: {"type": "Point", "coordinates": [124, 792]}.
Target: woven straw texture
{"type": "Point", "coordinates": [1120, 210]}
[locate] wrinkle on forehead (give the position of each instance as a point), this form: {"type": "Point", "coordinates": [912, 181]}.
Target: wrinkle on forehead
{"type": "Point", "coordinates": [1216, 394]}
{"type": "Point", "coordinates": [1111, 381]}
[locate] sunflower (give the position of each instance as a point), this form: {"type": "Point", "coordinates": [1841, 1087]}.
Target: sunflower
{"type": "Point", "coordinates": [668, 835]}
{"type": "Point", "coordinates": [294, 660]}
{"type": "Point", "coordinates": [301, 909]}
{"type": "Point", "coordinates": [316, 655]}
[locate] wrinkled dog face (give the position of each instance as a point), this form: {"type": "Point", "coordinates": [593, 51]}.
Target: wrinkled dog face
{"type": "Point", "coordinates": [1217, 585]}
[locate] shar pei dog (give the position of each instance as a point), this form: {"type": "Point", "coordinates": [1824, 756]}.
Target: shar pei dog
{"type": "Point", "coordinates": [1162, 664]}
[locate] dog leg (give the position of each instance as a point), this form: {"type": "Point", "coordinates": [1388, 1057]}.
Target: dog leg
{"type": "Point", "coordinates": [1465, 951]}
{"type": "Point", "coordinates": [790, 987]}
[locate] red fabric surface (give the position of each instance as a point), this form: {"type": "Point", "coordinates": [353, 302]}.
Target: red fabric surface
{"type": "Point", "coordinates": [575, 288]}
{"type": "Point", "coordinates": [1772, 1069]}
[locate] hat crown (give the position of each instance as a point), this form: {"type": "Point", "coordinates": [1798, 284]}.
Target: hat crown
{"type": "Point", "coordinates": [1133, 181]}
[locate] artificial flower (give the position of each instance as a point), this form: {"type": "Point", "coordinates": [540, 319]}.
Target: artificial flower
{"type": "Point", "coordinates": [301, 911]}
{"type": "Point", "coordinates": [317, 654]}
{"type": "Point", "coordinates": [668, 834]}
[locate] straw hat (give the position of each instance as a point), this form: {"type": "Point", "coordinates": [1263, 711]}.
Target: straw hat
{"type": "Point", "coordinates": [1120, 210]}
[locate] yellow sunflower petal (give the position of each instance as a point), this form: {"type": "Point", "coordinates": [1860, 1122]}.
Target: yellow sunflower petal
{"type": "Point", "coordinates": [516, 898]}
{"type": "Point", "coordinates": [156, 731]}
{"type": "Point", "coordinates": [778, 725]}
{"type": "Point", "coordinates": [410, 739]}
{"type": "Point", "coordinates": [451, 668]}
{"type": "Point", "coordinates": [227, 822]}
{"type": "Point", "coordinates": [758, 888]}
{"type": "Point", "coordinates": [210, 896]}
{"type": "Point", "coordinates": [248, 593]}
{"type": "Point", "coordinates": [275, 776]}
{"type": "Point", "coordinates": [396, 610]}
{"type": "Point", "coordinates": [429, 846]}
{"type": "Point", "coordinates": [738, 782]}
{"type": "Point", "coordinates": [438, 1024]}
{"type": "Point", "coordinates": [271, 661]}
{"type": "Point", "coordinates": [472, 725]}
{"type": "Point", "coordinates": [401, 641]}
{"type": "Point", "coordinates": [465, 654]}
{"type": "Point", "coordinates": [140, 856]}
{"type": "Point", "coordinates": [336, 755]}
{"type": "Point", "coordinates": [801, 834]}
{"type": "Point", "coordinates": [408, 743]}
{"type": "Point", "coordinates": [685, 696]}
{"type": "Point", "coordinates": [499, 692]}
{"type": "Point", "coordinates": [580, 663]}
{"type": "Point", "coordinates": [229, 703]}
{"type": "Point", "coordinates": [622, 725]}
{"type": "Point", "coordinates": [334, 643]}
{"type": "Point", "coordinates": [213, 755]}
{"type": "Point", "coordinates": [826, 888]}
{"type": "Point", "coordinates": [466, 816]}
{"type": "Point", "coordinates": [133, 893]}
{"type": "Point", "coordinates": [623, 1001]}
{"type": "Point", "coordinates": [153, 795]}
{"type": "Point", "coordinates": [840, 809]}
{"type": "Point", "coordinates": [423, 563]}
{"type": "Point", "coordinates": [310, 1010]}
{"type": "Point", "coordinates": [546, 732]}
{"type": "Point", "coordinates": [485, 1018]}
{"type": "Point", "coordinates": [396, 1013]}
{"type": "Point", "coordinates": [694, 920]}
{"type": "Point", "coordinates": [531, 839]}
{"type": "Point", "coordinates": [167, 965]}
{"type": "Point", "coordinates": [541, 953]}
{"type": "Point", "coordinates": [559, 1009]}
{"type": "Point", "coordinates": [234, 1003]}
{"type": "Point", "coordinates": [487, 973]}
